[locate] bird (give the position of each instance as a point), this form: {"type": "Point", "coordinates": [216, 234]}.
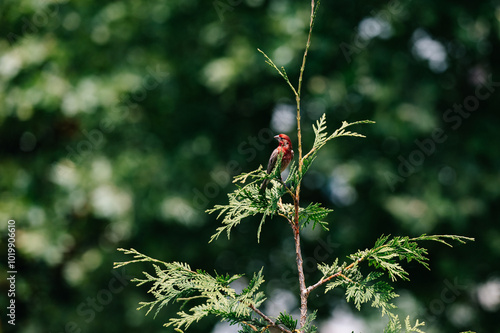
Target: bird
{"type": "Point", "coordinates": [285, 148]}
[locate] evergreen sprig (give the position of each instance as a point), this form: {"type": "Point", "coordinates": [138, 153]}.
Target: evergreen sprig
{"type": "Point", "coordinates": [314, 213]}
{"type": "Point", "coordinates": [177, 282]}
{"type": "Point", "coordinates": [243, 202]}
{"type": "Point", "coordinates": [387, 251]}
{"type": "Point", "coordinates": [384, 257]}
{"type": "Point", "coordinates": [395, 326]}
{"type": "Point", "coordinates": [287, 321]}
{"type": "Point", "coordinates": [321, 137]}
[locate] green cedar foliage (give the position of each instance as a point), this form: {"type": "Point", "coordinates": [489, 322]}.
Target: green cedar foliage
{"type": "Point", "coordinates": [384, 257]}
{"type": "Point", "coordinates": [202, 294]}
{"type": "Point", "coordinates": [178, 282]}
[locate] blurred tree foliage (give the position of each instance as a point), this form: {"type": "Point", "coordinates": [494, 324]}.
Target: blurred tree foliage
{"type": "Point", "coordinates": [122, 121]}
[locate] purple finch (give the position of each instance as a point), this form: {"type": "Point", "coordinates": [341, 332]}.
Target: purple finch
{"type": "Point", "coordinates": [285, 149]}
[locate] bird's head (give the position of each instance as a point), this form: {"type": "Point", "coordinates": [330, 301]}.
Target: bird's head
{"type": "Point", "coordinates": [283, 140]}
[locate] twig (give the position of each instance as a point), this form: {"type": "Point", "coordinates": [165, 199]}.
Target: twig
{"type": "Point", "coordinates": [299, 88]}
{"type": "Point", "coordinates": [345, 277]}
{"type": "Point", "coordinates": [300, 267]}
{"type": "Point", "coordinates": [250, 325]}
{"type": "Point", "coordinates": [281, 71]}
{"type": "Point", "coordinates": [296, 229]}
{"type": "Point", "coordinates": [269, 320]}
{"type": "Point", "coordinates": [325, 280]}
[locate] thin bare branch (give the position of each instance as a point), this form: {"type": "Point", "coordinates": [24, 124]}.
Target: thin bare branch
{"type": "Point", "coordinates": [296, 228]}
{"type": "Point", "coordinates": [281, 71]}
{"type": "Point", "coordinates": [269, 320]}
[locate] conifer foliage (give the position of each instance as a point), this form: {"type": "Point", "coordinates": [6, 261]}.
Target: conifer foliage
{"type": "Point", "coordinates": [200, 294]}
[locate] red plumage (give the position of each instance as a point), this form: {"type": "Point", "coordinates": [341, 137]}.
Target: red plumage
{"type": "Point", "coordinates": [285, 147]}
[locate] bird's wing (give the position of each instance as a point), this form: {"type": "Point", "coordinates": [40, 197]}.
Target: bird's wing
{"type": "Point", "coordinates": [272, 160]}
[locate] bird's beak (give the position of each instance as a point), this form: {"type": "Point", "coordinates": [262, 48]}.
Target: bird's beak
{"type": "Point", "coordinates": [277, 137]}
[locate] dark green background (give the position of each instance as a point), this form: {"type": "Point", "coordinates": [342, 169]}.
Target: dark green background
{"type": "Point", "coordinates": [121, 122]}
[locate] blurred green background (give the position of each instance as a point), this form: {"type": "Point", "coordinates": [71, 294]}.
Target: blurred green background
{"type": "Point", "coordinates": [122, 121]}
